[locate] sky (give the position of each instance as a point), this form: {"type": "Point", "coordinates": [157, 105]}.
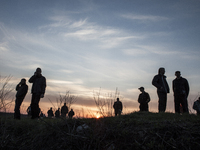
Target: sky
{"type": "Point", "coordinates": [84, 46]}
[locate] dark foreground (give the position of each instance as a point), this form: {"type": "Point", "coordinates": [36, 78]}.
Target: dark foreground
{"type": "Point", "coordinates": [162, 131]}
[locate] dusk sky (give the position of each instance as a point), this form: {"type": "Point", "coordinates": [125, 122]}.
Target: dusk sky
{"type": "Point", "coordinates": [82, 45]}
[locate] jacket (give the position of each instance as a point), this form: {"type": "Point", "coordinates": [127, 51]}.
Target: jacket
{"type": "Point", "coordinates": [39, 84]}
{"type": "Point", "coordinates": [118, 106]}
{"type": "Point", "coordinates": [180, 86]}
{"type": "Point", "coordinates": [144, 98]}
{"type": "Point", "coordinates": [158, 83]}
{"type": "Point", "coordinates": [21, 90]}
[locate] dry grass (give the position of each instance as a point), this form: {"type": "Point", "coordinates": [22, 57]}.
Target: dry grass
{"type": "Point", "coordinates": [135, 131]}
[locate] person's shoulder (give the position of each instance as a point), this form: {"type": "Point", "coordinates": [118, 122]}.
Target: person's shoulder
{"type": "Point", "coordinates": [43, 77]}
{"type": "Point", "coordinates": [184, 79]}
{"type": "Point", "coordinates": [157, 75]}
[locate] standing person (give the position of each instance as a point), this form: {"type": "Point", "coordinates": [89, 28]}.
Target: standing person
{"type": "Point", "coordinates": [118, 107]}
{"type": "Point", "coordinates": [22, 90]}
{"type": "Point", "coordinates": [50, 113]}
{"type": "Point", "coordinates": [196, 106]}
{"type": "Point", "coordinates": [71, 114]}
{"type": "Point", "coordinates": [57, 113]}
{"type": "Point", "coordinates": [181, 90]}
{"type": "Point", "coordinates": [38, 90]}
{"type": "Point", "coordinates": [160, 82]}
{"type": "Point", "coordinates": [143, 99]}
{"type": "Point", "coordinates": [64, 110]}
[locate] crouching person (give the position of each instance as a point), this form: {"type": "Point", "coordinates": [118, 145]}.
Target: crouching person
{"type": "Point", "coordinates": [196, 106]}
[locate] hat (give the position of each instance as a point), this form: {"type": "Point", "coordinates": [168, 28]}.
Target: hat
{"type": "Point", "coordinates": [141, 88]}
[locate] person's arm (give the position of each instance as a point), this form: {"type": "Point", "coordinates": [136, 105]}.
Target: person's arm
{"type": "Point", "coordinates": [167, 86]}
{"type": "Point", "coordinates": [155, 82]}
{"type": "Point", "coordinates": [32, 79]}
{"type": "Point", "coordinates": [43, 87]}
{"type": "Point", "coordinates": [187, 88]}
{"type": "Point", "coordinates": [139, 100]}
{"type": "Point", "coordinates": [114, 105]}
{"type": "Point", "coordinates": [148, 100]}
{"type": "Point", "coordinates": [17, 87]}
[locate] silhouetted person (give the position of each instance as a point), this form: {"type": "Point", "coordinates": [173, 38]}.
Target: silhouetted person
{"type": "Point", "coordinates": [41, 115]}
{"type": "Point", "coordinates": [29, 110]}
{"type": "Point", "coordinates": [38, 90]}
{"type": "Point", "coordinates": [57, 113]}
{"type": "Point", "coordinates": [143, 99]}
{"type": "Point", "coordinates": [22, 90]}
{"type": "Point", "coordinates": [118, 107]}
{"type": "Point", "coordinates": [181, 90]}
{"type": "Point", "coordinates": [196, 106]}
{"type": "Point", "coordinates": [71, 113]}
{"type": "Point", "coordinates": [50, 113]}
{"type": "Point", "coordinates": [160, 82]}
{"type": "Point", "coordinates": [64, 110]}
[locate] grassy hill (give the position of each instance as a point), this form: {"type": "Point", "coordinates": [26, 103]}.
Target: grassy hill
{"type": "Point", "coordinates": [134, 131]}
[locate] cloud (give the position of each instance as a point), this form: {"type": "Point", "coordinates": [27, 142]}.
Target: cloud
{"type": "Point", "coordinates": [4, 46]}
{"type": "Point", "coordinates": [144, 17]}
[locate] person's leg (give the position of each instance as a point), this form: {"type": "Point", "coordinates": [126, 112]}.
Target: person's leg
{"type": "Point", "coordinates": [140, 107]}
{"type": "Point", "coordinates": [146, 107]}
{"type": "Point", "coordinates": [184, 104]}
{"type": "Point", "coordinates": [177, 103]}
{"type": "Point", "coordinates": [18, 103]}
{"type": "Point", "coordinates": [35, 106]}
{"type": "Point", "coordinates": [162, 102]}
{"type": "Point", "coordinates": [115, 113]}
{"type": "Point", "coordinates": [16, 113]}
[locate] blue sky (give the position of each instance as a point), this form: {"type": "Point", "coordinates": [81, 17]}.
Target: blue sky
{"type": "Point", "coordinates": [82, 45]}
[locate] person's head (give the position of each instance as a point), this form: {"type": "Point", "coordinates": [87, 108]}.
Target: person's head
{"type": "Point", "coordinates": [51, 108]}
{"type": "Point", "coordinates": [117, 99]}
{"type": "Point", "coordinates": [161, 71]}
{"type": "Point", "coordinates": [64, 104]}
{"type": "Point", "coordinates": [23, 81]}
{"type": "Point", "coordinates": [178, 74]}
{"type": "Point", "coordinates": [38, 71]}
{"type": "Point", "coordinates": [199, 98]}
{"type": "Point", "coordinates": [141, 89]}
{"type": "Point", "coordinates": [71, 109]}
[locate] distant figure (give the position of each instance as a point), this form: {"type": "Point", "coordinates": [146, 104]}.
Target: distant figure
{"type": "Point", "coordinates": [38, 90]}
{"type": "Point", "coordinates": [160, 82]}
{"type": "Point", "coordinates": [71, 114]}
{"type": "Point", "coordinates": [50, 113]}
{"type": "Point", "coordinates": [29, 110]}
{"type": "Point", "coordinates": [64, 110]}
{"type": "Point", "coordinates": [57, 113]}
{"type": "Point", "coordinates": [118, 107]}
{"type": "Point", "coordinates": [181, 90]}
{"type": "Point", "coordinates": [143, 99]}
{"type": "Point", "coordinates": [41, 115]}
{"type": "Point", "coordinates": [21, 89]}
{"type": "Point", "coordinates": [196, 106]}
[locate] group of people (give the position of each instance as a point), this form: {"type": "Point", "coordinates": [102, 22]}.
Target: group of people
{"type": "Point", "coordinates": [180, 88]}
{"type": "Point", "coordinates": [38, 90]}
{"type": "Point", "coordinates": [62, 113]}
